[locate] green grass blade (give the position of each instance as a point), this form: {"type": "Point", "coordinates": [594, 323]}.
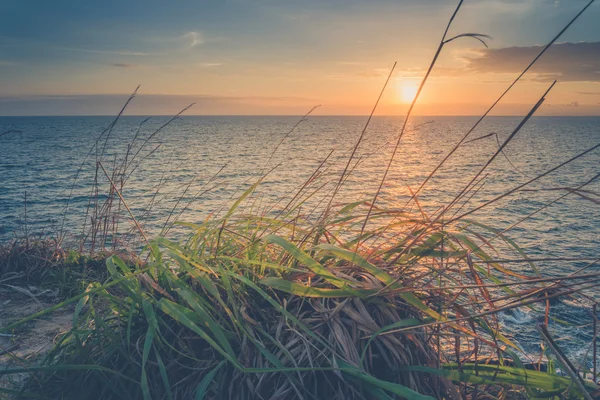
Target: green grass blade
{"type": "Point", "coordinates": [309, 291]}
{"type": "Point", "coordinates": [306, 260]}
{"type": "Point", "coordinates": [391, 387]}
{"type": "Point", "coordinates": [206, 381]}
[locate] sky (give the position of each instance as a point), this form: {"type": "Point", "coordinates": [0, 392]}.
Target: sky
{"type": "Point", "coordinates": [242, 57]}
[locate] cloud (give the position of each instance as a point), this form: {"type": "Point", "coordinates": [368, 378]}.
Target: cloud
{"type": "Point", "coordinates": [114, 52]}
{"type": "Point", "coordinates": [209, 64]}
{"type": "Point", "coordinates": [571, 104]}
{"type": "Point", "coordinates": [589, 93]}
{"type": "Point", "coordinates": [514, 7]}
{"type": "Point", "coordinates": [5, 63]}
{"type": "Point", "coordinates": [362, 73]}
{"type": "Point", "coordinates": [193, 38]}
{"type": "Point", "coordinates": [566, 62]}
{"type": "Point", "coordinates": [151, 104]}
{"type": "Point", "coordinates": [124, 65]}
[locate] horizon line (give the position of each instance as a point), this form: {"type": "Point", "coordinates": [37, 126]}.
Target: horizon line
{"type": "Point", "coordinates": [287, 115]}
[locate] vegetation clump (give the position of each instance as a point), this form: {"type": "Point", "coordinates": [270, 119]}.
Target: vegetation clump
{"type": "Point", "coordinates": [260, 307]}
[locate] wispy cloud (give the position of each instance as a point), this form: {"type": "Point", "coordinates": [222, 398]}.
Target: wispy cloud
{"type": "Point", "coordinates": [209, 64]}
{"type": "Point", "coordinates": [571, 104]}
{"type": "Point", "coordinates": [113, 52]}
{"type": "Point", "coordinates": [517, 7]}
{"type": "Point", "coordinates": [124, 65]}
{"type": "Point", "coordinates": [567, 62]}
{"type": "Point", "coordinates": [589, 93]}
{"type": "Point", "coordinates": [145, 104]}
{"type": "Point", "coordinates": [193, 38]}
{"type": "Point", "coordinates": [6, 63]}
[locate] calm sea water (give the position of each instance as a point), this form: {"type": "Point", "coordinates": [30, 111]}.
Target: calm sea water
{"type": "Point", "coordinates": [44, 157]}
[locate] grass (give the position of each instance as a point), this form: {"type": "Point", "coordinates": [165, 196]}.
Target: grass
{"type": "Point", "coordinates": [345, 301]}
{"type": "Point", "coordinates": [286, 308]}
{"type": "Point", "coordinates": [42, 263]}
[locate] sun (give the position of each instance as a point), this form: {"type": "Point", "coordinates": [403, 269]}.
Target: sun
{"type": "Point", "coordinates": [407, 91]}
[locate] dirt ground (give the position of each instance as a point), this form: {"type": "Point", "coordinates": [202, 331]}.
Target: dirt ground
{"type": "Point", "coordinates": [27, 344]}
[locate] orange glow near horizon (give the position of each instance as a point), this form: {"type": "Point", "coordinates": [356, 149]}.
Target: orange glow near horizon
{"type": "Point", "coordinates": [406, 91]}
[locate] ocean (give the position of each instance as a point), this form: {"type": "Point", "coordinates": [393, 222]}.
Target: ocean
{"type": "Point", "coordinates": [197, 165]}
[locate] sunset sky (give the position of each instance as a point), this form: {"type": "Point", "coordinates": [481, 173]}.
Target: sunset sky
{"type": "Point", "coordinates": [74, 57]}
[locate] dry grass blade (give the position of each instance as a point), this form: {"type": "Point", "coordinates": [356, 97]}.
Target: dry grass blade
{"type": "Point", "coordinates": [408, 115]}
{"type": "Point", "coordinates": [477, 36]}
{"type": "Point", "coordinates": [359, 141]}
{"type": "Point", "coordinates": [9, 131]}
{"type": "Point", "coordinates": [124, 203]}
{"type": "Point", "coordinates": [569, 368]}
{"type": "Point", "coordinates": [521, 186]}
{"type": "Point", "coordinates": [501, 148]}
{"type": "Point", "coordinates": [506, 91]}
